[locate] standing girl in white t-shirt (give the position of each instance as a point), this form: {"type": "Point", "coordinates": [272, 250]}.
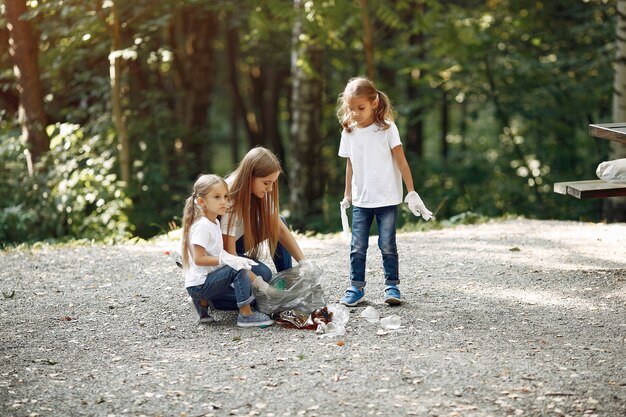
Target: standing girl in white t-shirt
{"type": "Point", "coordinates": [375, 168]}
{"type": "Point", "coordinates": [208, 269]}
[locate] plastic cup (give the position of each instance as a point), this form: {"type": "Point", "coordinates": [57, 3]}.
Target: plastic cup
{"type": "Point", "coordinates": [391, 322]}
{"type": "Point", "coordinates": [370, 314]}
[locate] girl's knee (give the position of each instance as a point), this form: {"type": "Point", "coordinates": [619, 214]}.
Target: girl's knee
{"type": "Point", "coordinates": [388, 250]}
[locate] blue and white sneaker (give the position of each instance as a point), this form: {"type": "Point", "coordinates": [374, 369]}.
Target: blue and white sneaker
{"type": "Point", "coordinates": [202, 312]}
{"type": "Point", "coordinates": [256, 319]}
{"type": "Point", "coordinates": [353, 296]}
{"type": "Point", "coordinates": [392, 295]}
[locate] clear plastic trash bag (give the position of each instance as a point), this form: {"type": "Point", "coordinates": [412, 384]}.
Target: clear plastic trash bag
{"type": "Point", "coordinates": [612, 171]}
{"type": "Point", "coordinates": [292, 289]}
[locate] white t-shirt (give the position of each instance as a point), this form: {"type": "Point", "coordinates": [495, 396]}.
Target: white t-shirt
{"type": "Point", "coordinates": [376, 178]}
{"type": "Point", "coordinates": [207, 234]}
{"type": "Point", "coordinates": [236, 229]}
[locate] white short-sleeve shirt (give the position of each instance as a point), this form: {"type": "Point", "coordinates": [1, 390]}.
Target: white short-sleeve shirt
{"type": "Point", "coordinates": [207, 234]}
{"type": "Point", "coordinates": [236, 229]}
{"type": "Point", "coordinates": [376, 178]}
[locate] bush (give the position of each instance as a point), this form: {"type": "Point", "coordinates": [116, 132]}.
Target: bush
{"type": "Point", "coordinates": [73, 193]}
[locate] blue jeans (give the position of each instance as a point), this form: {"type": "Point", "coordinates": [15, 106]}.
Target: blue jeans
{"type": "Point", "coordinates": [228, 298]}
{"type": "Point", "coordinates": [219, 282]}
{"type": "Point", "coordinates": [282, 261]}
{"type": "Point", "coordinates": [362, 219]}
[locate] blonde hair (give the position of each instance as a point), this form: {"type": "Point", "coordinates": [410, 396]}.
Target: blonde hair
{"type": "Point", "coordinates": [362, 87]}
{"type": "Point", "coordinates": [192, 211]}
{"type": "Point", "coordinates": [260, 216]}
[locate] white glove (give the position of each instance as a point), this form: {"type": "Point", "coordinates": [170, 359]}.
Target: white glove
{"type": "Point", "coordinates": [345, 225]}
{"type": "Point", "coordinates": [236, 262]}
{"type": "Point", "coordinates": [308, 267]}
{"type": "Point", "coordinates": [260, 284]}
{"type": "Point", "coordinates": [416, 205]}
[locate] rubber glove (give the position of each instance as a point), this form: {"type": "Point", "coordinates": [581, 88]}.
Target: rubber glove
{"type": "Point", "coordinates": [416, 205]}
{"type": "Point", "coordinates": [236, 262]}
{"type": "Point", "coordinates": [260, 284]}
{"type": "Point", "coordinates": [343, 206]}
{"type": "Point", "coordinates": [308, 267]}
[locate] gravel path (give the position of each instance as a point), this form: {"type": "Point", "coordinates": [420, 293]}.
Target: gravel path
{"type": "Point", "coordinates": [517, 317]}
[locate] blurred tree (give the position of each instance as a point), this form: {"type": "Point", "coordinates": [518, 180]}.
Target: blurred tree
{"type": "Point", "coordinates": [416, 48]}
{"type": "Point", "coordinates": [367, 40]}
{"type": "Point", "coordinates": [306, 178]}
{"type": "Point", "coordinates": [259, 70]}
{"type": "Point", "coordinates": [24, 49]}
{"type": "Point", "coordinates": [117, 109]}
{"type": "Point", "coordinates": [191, 33]}
{"type": "Point", "coordinates": [9, 98]}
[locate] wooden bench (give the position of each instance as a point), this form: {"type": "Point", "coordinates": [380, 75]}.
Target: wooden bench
{"type": "Point", "coordinates": [597, 188]}
{"type": "Point", "coordinates": [590, 189]}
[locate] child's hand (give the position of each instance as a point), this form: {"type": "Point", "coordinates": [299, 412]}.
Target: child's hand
{"type": "Point", "coordinates": [344, 204]}
{"type": "Point", "coordinates": [416, 205]}
{"type": "Point", "coordinates": [307, 266]}
{"type": "Point", "coordinates": [236, 262]}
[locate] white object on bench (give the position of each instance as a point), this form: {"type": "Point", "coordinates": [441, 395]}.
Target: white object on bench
{"type": "Point", "coordinates": [612, 171]}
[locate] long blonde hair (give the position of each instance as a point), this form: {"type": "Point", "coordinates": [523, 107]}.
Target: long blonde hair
{"type": "Point", "coordinates": [260, 216]}
{"type": "Point", "coordinates": [192, 211]}
{"type": "Point", "coordinates": [362, 87]}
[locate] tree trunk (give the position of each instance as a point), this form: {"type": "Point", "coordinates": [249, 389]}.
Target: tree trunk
{"type": "Point", "coordinates": [415, 91]}
{"type": "Point", "coordinates": [615, 208]}
{"type": "Point", "coordinates": [445, 124]}
{"type": "Point", "coordinates": [270, 107]}
{"type": "Point", "coordinates": [117, 110]}
{"type": "Point", "coordinates": [239, 105]}
{"type": "Point", "coordinates": [368, 43]}
{"type": "Point", "coordinates": [191, 34]}
{"type": "Point", "coordinates": [306, 179]}
{"type": "Point", "coordinates": [23, 47]}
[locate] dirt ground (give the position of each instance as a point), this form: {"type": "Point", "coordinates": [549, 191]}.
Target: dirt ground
{"type": "Point", "coordinates": [519, 318]}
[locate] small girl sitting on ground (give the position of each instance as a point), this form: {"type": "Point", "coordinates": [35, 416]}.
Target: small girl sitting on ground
{"type": "Point", "coordinates": [208, 269]}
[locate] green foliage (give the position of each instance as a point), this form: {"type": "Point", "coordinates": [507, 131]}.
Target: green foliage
{"type": "Point", "coordinates": [72, 194]}
{"type": "Point", "coordinates": [521, 81]}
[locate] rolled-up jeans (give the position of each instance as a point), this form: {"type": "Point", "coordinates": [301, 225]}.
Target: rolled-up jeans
{"type": "Point", "coordinates": [362, 219]}
{"type": "Point", "coordinates": [219, 282]}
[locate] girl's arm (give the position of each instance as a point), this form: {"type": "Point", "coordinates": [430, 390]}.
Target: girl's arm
{"type": "Point", "coordinates": [289, 242]}
{"type": "Point", "coordinates": [347, 194]}
{"type": "Point", "coordinates": [201, 258]}
{"type": "Point", "coordinates": [229, 244]}
{"type": "Point", "coordinates": [398, 156]}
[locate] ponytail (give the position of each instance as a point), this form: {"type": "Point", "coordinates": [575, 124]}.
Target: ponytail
{"type": "Point", "coordinates": [383, 114]}
{"type": "Point", "coordinates": [190, 213]}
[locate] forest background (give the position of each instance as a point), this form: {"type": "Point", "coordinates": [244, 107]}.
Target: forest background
{"type": "Point", "coordinates": [109, 110]}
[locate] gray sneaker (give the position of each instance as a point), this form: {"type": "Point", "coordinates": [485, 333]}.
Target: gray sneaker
{"type": "Point", "coordinates": [256, 319]}
{"type": "Point", "coordinates": [202, 312]}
